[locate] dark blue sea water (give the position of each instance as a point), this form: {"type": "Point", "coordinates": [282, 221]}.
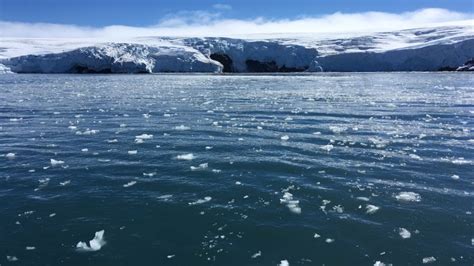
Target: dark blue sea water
{"type": "Point", "coordinates": [326, 169]}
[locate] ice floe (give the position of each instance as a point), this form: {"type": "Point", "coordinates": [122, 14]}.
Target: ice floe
{"type": "Point", "coordinates": [144, 136]}
{"type": "Point", "coordinates": [56, 162]}
{"type": "Point", "coordinates": [404, 233]}
{"type": "Point", "coordinates": [371, 209]}
{"type": "Point", "coordinates": [256, 255]}
{"type": "Point", "coordinates": [94, 245]}
{"type": "Point", "coordinates": [327, 148]}
{"type": "Point", "coordinates": [285, 137]}
{"type": "Point", "coordinates": [284, 263]}
{"type": "Point", "coordinates": [200, 167]}
{"type": "Point", "coordinates": [427, 260]}
{"type": "Point", "coordinates": [200, 201]}
{"type": "Point", "coordinates": [129, 184]}
{"type": "Point", "coordinates": [10, 155]}
{"type": "Point", "coordinates": [134, 152]}
{"type": "Point", "coordinates": [186, 157]}
{"type": "Point", "coordinates": [182, 128]}
{"type": "Point", "coordinates": [293, 205]}
{"type": "Point", "coordinates": [408, 196]}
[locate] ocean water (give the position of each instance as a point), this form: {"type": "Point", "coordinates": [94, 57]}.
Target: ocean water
{"type": "Point", "coordinates": [325, 169]}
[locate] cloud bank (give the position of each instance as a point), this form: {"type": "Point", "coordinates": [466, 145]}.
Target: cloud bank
{"type": "Point", "coordinates": [205, 23]}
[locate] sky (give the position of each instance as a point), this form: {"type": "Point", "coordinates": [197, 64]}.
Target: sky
{"type": "Point", "coordinates": [79, 18]}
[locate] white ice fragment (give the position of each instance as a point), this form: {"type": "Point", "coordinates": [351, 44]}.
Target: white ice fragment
{"type": "Point", "coordinates": [94, 245]}
{"type": "Point", "coordinates": [170, 256]}
{"type": "Point", "coordinates": [284, 263]}
{"type": "Point", "coordinates": [363, 198]}
{"type": "Point", "coordinates": [200, 167]}
{"type": "Point", "coordinates": [416, 157]}
{"type": "Point", "coordinates": [370, 209]}
{"type": "Point", "coordinates": [10, 155]}
{"type": "Point", "coordinates": [65, 183]}
{"type": "Point", "coordinates": [379, 263]}
{"type": "Point", "coordinates": [182, 128]}
{"type": "Point", "coordinates": [404, 233]}
{"type": "Point", "coordinates": [238, 183]}
{"type": "Point", "coordinates": [428, 260]}
{"type": "Point", "coordinates": [12, 258]}
{"type": "Point", "coordinates": [129, 184]}
{"type": "Point", "coordinates": [30, 248]}
{"type": "Point", "coordinates": [146, 116]}
{"type": "Point", "coordinates": [337, 129]}
{"type": "Point", "coordinates": [200, 201]}
{"type": "Point", "coordinates": [256, 255]}
{"type": "Point", "coordinates": [408, 196]}
{"type": "Point", "coordinates": [455, 177]}
{"type": "Point", "coordinates": [85, 150]}
{"type": "Point", "coordinates": [133, 152]}
{"type": "Point", "coordinates": [144, 136]}
{"type": "Point", "coordinates": [327, 148]}
{"type": "Point", "coordinates": [187, 157]}
{"type": "Point", "coordinates": [330, 240]}
{"type": "Point", "coordinates": [56, 162]}
{"type": "Point", "coordinates": [285, 138]}
{"type": "Point", "coordinates": [316, 235]}
{"type": "Point", "coordinates": [293, 205]}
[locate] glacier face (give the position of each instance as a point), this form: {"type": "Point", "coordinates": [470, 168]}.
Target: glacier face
{"type": "Point", "coordinates": [427, 49]}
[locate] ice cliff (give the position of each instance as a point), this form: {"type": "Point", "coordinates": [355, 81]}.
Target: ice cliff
{"type": "Point", "coordinates": [428, 49]}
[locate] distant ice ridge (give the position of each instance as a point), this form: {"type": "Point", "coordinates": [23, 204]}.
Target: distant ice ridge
{"type": "Point", "coordinates": [426, 49]}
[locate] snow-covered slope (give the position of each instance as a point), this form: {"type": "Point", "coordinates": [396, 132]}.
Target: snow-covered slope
{"type": "Point", "coordinates": [426, 49]}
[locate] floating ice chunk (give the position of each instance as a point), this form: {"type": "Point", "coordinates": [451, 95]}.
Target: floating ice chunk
{"type": "Point", "coordinates": [182, 128]}
{"type": "Point", "coordinates": [370, 209]}
{"type": "Point", "coordinates": [133, 152]}
{"type": "Point", "coordinates": [12, 258]}
{"type": "Point", "coordinates": [129, 184]}
{"type": "Point", "coordinates": [170, 256]}
{"type": "Point", "coordinates": [149, 174]}
{"type": "Point", "coordinates": [408, 196]}
{"type": "Point", "coordinates": [52, 214]}
{"type": "Point", "coordinates": [187, 157]}
{"type": "Point", "coordinates": [330, 240]}
{"type": "Point", "coordinates": [56, 162]}
{"type": "Point", "coordinates": [337, 129]}
{"type": "Point", "coordinates": [293, 205]}
{"type": "Point", "coordinates": [416, 157]}
{"type": "Point", "coordinates": [208, 147]}
{"type": "Point", "coordinates": [460, 161]}
{"type": "Point", "coordinates": [144, 136]}
{"type": "Point", "coordinates": [379, 263]}
{"type": "Point", "coordinates": [94, 245]}
{"type": "Point", "coordinates": [428, 260]}
{"type": "Point", "coordinates": [284, 263]}
{"type": "Point", "coordinates": [200, 167]}
{"type": "Point", "coordinates": [65, 183]}
{"type": "Point", "coordinates": [404, 233]}
{"type": "Point", "coordinates": [146, 116]}
{"type": "Point", "coordinates": [338, 209]}
{"type": "Point", "coordinates": [30, 248]}
{"type": "Point", "coordinates": [327, 148]}
{"type": "Point", "coordinates": [112, 141]}
{"type": "Point", "coordinates": [139, 141]}
{"type": "Point", "coordinates": [256, 255]}
{"type": "Point", "coordinates": [285, 138]}
{"type": "Point", "coordinates": [472, 241]}
{"type": "Point", "coordinates": [200, 201]}
{"type": "Point", "coordinates": [316, 235]}
{"type": "Point", "coordinates": [455, 177]}
{"type": "Point", "coordinates": [85, 150]}
{"type": "Point", "coordinates": [238, 183]}
{"type": "Point", "coordinates": [363, 198]}
{"type": "Point", "coordinates": [10, 155]}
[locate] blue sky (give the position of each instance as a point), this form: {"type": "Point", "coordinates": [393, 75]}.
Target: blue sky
{"type": "Point", "coordinates": [99, 13]}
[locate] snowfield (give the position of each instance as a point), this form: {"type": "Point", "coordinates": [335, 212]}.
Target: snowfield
{"type": "Point", "coordinates": [428, 49]}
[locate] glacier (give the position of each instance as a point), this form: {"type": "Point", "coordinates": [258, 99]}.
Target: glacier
{"type": "Point", "coordinates": [427, 49]}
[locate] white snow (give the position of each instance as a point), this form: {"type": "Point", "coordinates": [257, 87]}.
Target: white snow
{"type": "Point", "coordinates": [284, 263]}
{"type": "Point", "coordinates": [413, 49]}
{"type": "Point", "coordinates": [94, 245]}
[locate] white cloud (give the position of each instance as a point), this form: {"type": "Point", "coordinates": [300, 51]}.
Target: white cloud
{"type": "Point", "coordinates": [204, 23]}
{"type": "Point", "coordinates": [222, 6]}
